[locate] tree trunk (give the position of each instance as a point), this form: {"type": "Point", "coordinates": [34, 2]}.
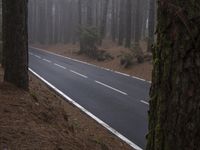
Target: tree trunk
{"type": "Point", "coordinates": [89, 12]}
{"type": "Point", "coordinates": [79, 13]}
{"type": "Point", "coordinates": [174, 116]}
{"type": "Point", "coordinates": [121, 23]}
{"type": "Point", "coordinates": [15, 42]}
{"type": "Point", "coordinates": [104, 19]}
{"type": "Point", "coordinates": [151, 24]}
{"type": "Point", "coordinates": [128, 23]}
{"type": "Point", "coordinates": [137, 22]}
{"type": "Point", "coordinates": [113, 21]}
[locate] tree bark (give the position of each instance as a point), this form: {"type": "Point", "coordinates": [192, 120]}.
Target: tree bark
{"type": "Point", "coordinates": [15, 42]}
{"type": "Point", "coordinates": [174, 116]}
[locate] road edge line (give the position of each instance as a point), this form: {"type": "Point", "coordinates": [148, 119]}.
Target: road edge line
{"type": "Point", "coordinates": [113, 131]}
{"type": "Point", "coordinates": [107, 69]}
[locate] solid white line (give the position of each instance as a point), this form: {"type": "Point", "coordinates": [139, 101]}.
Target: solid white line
{"type": "Point", "coordinates": [37, 56]}
{"type": "Point", "coordinates": [122, 73]}
{"type": "Point", "coordinates": [60, 66]}
{"type": "Point", "coordinates": [78, 74]}
{"type": "Point", "coordinates": [88, 63]}
{"type": "Point", "coordinates": [47, 60]}
{"type": "Point", "coordinates": [111, 87]}
{"type": "Point", "coordinates": [149, 82]}
{"type": "Point", "coordinates": [144, 102]}
{"type": "Point", "coordinates": [106, 69]}
{"type": "Point", "coordinates": [138, 78]}
{"type": "Point", "coordinates": [133, 145]}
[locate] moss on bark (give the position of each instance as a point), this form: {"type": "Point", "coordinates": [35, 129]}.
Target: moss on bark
{"type": "Point", "coordinates": [174, 115]}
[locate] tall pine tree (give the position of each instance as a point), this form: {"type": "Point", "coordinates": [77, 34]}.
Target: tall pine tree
{"type": "Point", "coordinates": [174, 117]}
{"type": "Point", "coordinates": [15, 42]}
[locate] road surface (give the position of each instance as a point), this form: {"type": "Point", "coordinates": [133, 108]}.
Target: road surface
{"type": "Point", "coordinates": [119, 100]}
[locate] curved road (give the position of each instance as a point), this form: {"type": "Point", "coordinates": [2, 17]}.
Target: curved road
{"type": "Point", "coordinates": [119, 100]}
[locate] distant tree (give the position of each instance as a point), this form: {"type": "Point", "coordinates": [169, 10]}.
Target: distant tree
{"type": "Point", "coordinates": [89, 12]}
{"type": "Point", "coordinates": [15, 42]}
{"type": "Point", "coordinates": [137, 22]}
{"type": "Point", "coordinates": [128, 23]}
{"type": "Point", "coordinates": [49, 22]}
{"type": "Point", "coordinates": [174, 116]}
{"type": "Point", "coordinates": [80, 13]}
{"type": "Point", "coordinates": [121, 22]}
{"type": "Point", "coordinates": [104, 19]}
{"type": "Point", "coordinates": [42, 21]}
{"type": "Point", "coordinates": [114, 20]}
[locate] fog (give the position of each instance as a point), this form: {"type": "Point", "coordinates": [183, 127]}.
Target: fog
{"type": "Point", "coordinates": [59, 21]}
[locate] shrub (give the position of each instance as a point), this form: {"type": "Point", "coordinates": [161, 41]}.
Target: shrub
{"type": "Point", "coordinates": [134, 56]}
{"type": "Point", "coordinates": [89, 38]}
{"type": "Point", "coordinates": [137, 52]}
{"type": "Point", "coordinates": [126, 59]}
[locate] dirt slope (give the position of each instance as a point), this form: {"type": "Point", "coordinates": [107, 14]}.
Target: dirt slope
{"type": "Point", "coordinates": [41, 120]}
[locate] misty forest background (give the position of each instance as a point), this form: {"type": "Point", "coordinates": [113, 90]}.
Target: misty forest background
{"type": "Point", "coordinates": [125, 22]}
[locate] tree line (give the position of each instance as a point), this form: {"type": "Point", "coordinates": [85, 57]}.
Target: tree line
{"type": "Point", "coordinates": [123, 21]}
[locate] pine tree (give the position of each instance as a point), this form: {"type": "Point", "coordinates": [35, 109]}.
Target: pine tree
{"type": "Point", "coordinates": [15, 42]}
{"type": "Point", "coordinates": [128, 23]}
{"type": "Point", "coordinates": [174, 117]}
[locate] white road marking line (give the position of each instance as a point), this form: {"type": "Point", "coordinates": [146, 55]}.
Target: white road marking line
{"type": "Point", "coordinates": [105, 69]}
{"type": "Point", "coordinates": [37, 56]}
{"type": "Point", "coordinates": [122, 73]}
{"type": "Point", "coordinates": [113, 131]}
{"type": "Point", "coordinates": [138, 78]}
{"type": "Point", "coordinates": [111, 87]}
{"type": "Point", "coordinates": [149, 82]}
{"type": "Point", "coordinates": [47, 60]}
{"type": "Point", "coordinates": [60, 66]}
{"type": "Point", "coordinates": [78, 74]}
{"type": "Point", "coordinates": [144, 102]}
{"type": "Point", "coordinates": [87, 63]}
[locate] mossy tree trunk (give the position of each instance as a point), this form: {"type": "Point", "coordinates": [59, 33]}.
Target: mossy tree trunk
{"type": "Point", "coordinates": [15, 42]}
{"type": "Point", "coordinates": [174, 116]}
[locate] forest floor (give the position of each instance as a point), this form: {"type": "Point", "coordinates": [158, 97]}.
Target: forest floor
{"type": "Point", "coordinates": [39, 119]}
{"type": "Point", "coordinates": [143, 70]}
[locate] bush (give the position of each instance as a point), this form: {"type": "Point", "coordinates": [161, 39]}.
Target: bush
{"type": "Point", "coordinates": [134, 56]}
{"type": "Point", "coordinates": [89, 38]}
{"type": "Point", "coordinates": [137, 51]}
{"type": "Point", "coordinates": [126, 59]}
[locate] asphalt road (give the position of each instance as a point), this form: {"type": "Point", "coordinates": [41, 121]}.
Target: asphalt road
{"type": "Point", "coordinates": [119, 100]}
